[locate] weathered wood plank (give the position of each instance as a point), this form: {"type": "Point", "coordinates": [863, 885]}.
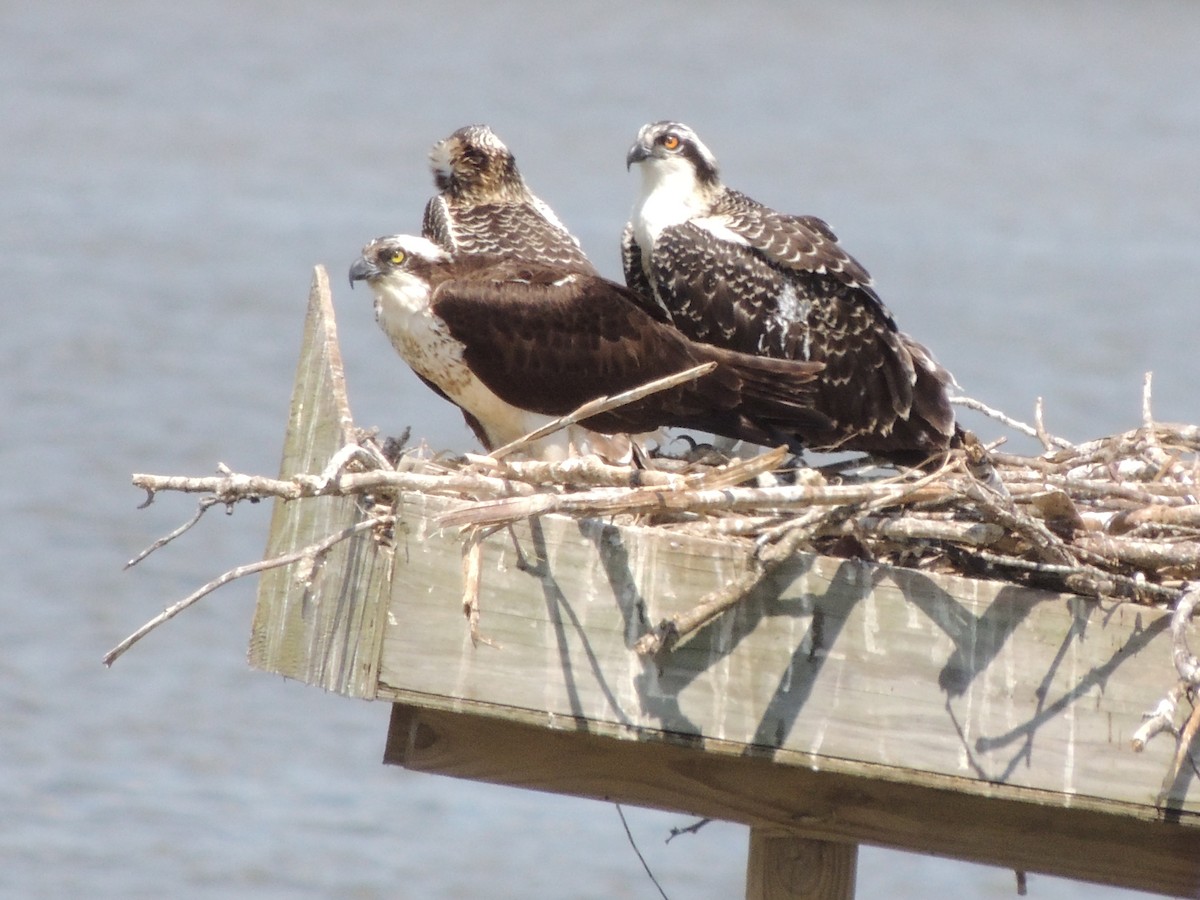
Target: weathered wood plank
{"type": "Point", "coordinates": [947, 677]}
{"type": "Point", "coordinates": [326, 630]}
{"type": "Point", "coordinates": [1017, 828]}
{"type": "Point", "coordinates": [786, 867]}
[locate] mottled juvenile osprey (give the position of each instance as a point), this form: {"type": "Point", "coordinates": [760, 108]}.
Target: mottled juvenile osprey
{"type": "Point", "coordinates": [484, 207]}
{"type": "Point", "coordinates": [732, 272]}
{"type": "Point", "coordinates": [515, 344]}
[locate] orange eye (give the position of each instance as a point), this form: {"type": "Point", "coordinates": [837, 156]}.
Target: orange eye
{"type": "Point", "coordinates": [671, 141]}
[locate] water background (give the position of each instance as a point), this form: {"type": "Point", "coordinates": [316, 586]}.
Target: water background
{"type": "Point", "coordinates": [1020, 178]}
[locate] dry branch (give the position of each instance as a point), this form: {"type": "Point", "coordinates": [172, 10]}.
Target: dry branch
{"type": "Point", "coordinates": [310, 555]}
{"type": "Point", "coordinates": [602, 405]}
{"type": "Point", "coordinates": [1162, 718]}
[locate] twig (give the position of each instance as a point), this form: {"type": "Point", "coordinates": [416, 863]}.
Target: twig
{"type": "Point", "coordinates": [201, 509]}
{"type": "Point", "coordinates": [343, 457]}
{"type": "Point", "coordinates": [1182, 745]}
{"type": "Point", "coordinates": [602, 405]}
{"type": "Point", "coordinates": [1044, 542]}
{"type": "Point", "coordinates": [1161, 719]}
{"type": "Point", "coordinates": [1005, 419]}
{"type": "Point", "coordinates": [775, 547]}
{"type": "Point", "coordinates": [472, 565]}
{"type": "Point", "coordinates": [694, 828]}
{"type": "Point", "coordinates": [233, 487]}
{"type": "Point", "coordinates": [645, 500]}
{"type": "Point", "coordinates": [312, 552]}
{"type": "Point", "coordinates": [1074, 577]}
{"type": "Point", "coordinates": [588, 470]}
{"type": "Point", "coordinates": [1040, 427]}
{"type": "Point", "coordinates": [1186, 664]}
{"type": "Point", "coordinates": [670, 631]}
{"type": "Point", "coordinates": [1147, 414]}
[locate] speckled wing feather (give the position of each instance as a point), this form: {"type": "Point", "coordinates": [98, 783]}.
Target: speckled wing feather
{"type": "Point", "coordinates": [549, 343]}
{"type": "Point", "coordinates": [502, 230]}
{"type": "Point", "coordinates": [636, 280]}
{"type": "Point", "coordinates": [435, 223]}
{"type": "Point", "coordinates": [795, 243]}
{"type": "Point", "coordinates": [736, 296]}
{"type": "Point", "coordinates": [631, 262]}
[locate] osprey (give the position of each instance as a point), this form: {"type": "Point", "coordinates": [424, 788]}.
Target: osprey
{"type": "Point", "coordinates": [484, 207]}
{"type": "Point", "coordinates": [515, 344]}
{"type": "Point", "coordinates": [732, 272]}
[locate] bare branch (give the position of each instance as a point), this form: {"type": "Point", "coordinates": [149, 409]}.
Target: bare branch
{"type": "Point", "coordinates": [201, 509]}
{"type": "Point", "coordinates": [602, 502]}
{"type": "Point", "coordinates": [472, 565]}
{"type": "Point", "coordinates": [1147, 406]}
{"type": "Point", "coordinates": [1161, 719]}
{"type": "Point", "coordinates": [312, 552]}
{"type": "Point", "coordinates": [234, 487]}
{"type": "Point", "coordinates": [1186, 664]}
{"type": "Point", "coordinates": [1005, 419]}
{"type": "Point", "coordinates": [602, 405]}
{"type": "Point", "coordinates": [694, 828]}
{"type": "Point", "coordinates": [1184, 742]}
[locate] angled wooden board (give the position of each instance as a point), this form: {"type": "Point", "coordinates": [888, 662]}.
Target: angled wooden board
{"type": "Point", "coordinates": [321, 627]}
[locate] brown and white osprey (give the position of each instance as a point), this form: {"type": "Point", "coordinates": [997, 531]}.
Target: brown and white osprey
{"type": "Point", "coordinates": [484, 207]}
{"type": "Point", "coordinates": [515, 344]}
{"type": "Point", "coordinates": [729, 271]}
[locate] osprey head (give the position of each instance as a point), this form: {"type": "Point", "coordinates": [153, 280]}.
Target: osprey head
{"type": "Point", "coordinates": [401, 259]}
{"type": "Point", "coordinates": [473, 163]}
{"type": "Point", "coordinates": [668, 148]}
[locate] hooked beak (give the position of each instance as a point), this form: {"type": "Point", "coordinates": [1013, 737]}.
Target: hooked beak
{"type": "Point", "coordinates": [637, 153]}
{"type": "Point", "coordinates": [362, 270]}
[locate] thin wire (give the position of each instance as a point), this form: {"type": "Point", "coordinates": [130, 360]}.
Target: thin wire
{"type": "Point", "coordinates": [641, 859]}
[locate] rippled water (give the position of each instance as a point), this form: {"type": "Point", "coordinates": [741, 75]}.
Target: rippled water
{"type": "Point", "coordinates": [1020, 179]}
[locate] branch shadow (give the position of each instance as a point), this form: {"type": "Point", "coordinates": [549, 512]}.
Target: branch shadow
{"type": "Point", "coordinates": [659, 686]}
{"type": "Point", "coordinates": [826, 605]}
{"type": "Point", "coordinates": [561, 615]}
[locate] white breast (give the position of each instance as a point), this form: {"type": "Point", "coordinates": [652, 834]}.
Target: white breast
{"type": "Point", "coordinates": [669, 197]}
{"type": "Point", "coordinates": [423, 341]}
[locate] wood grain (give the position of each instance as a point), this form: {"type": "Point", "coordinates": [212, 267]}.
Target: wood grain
{"type": "Point", "coordinates": [785, 867]}
{"type": "Point", "coordinates": [1014, 828]}
{"type": "Point", "coordinates": [324, 630]}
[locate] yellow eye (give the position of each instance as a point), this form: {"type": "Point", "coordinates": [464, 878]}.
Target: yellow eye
{"type": "Point", "coordinates": [671, 141]}
{"type": "Point", "coordinates": [397, 257]}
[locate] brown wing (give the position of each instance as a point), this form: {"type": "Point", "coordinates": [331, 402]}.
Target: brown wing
{"type": "Point", "coordinates": [548, 343]}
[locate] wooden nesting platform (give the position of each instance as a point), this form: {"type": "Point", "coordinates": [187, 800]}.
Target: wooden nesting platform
{"type": "Point", "coordinates": [841, 703]}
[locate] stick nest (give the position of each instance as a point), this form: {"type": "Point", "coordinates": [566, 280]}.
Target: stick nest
{"type": "Point", "coordinates": [1115, 517]}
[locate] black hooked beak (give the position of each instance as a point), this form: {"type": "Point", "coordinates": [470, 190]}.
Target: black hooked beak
{"type": "Point", "coordinates": [362, 270]}
{"type": "Point", "coordinates": [637, 153]}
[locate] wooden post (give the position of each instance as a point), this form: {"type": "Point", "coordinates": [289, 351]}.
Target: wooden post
{"type": "Point", "coordinates": [785, 867]}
